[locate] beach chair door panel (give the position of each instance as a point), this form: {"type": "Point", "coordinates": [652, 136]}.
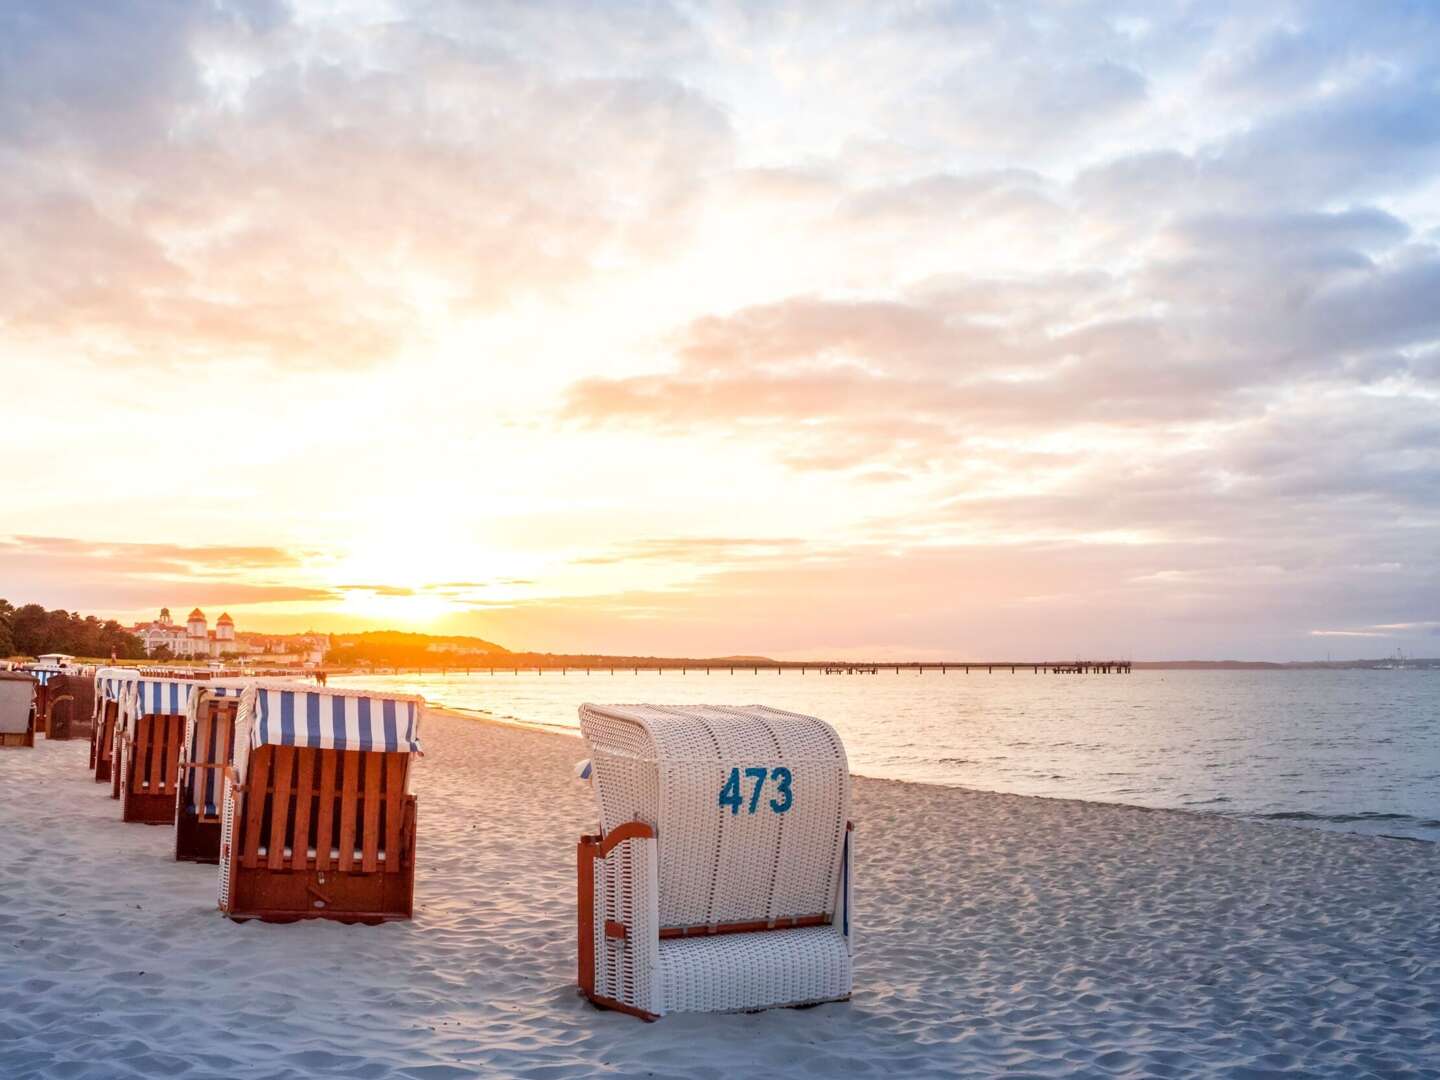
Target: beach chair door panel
{"type": "Point", "coordinates": [323, 833]}
{"type": "Point", "coordinates": [152, 766]}
{"type": "Point", "coordinates": [198, 806]}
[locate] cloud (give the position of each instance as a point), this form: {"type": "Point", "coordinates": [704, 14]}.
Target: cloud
{"type": "Point", "coordinates": [956, 199]}
{"type": "Point", "coordinates": [257, 187]}
{"type": "Point", "coordinates": [130, 557]}
{"type": "Point", "coordinates": [1110, 321]}
{"type": "Point", "coordinates": [111, 576]}
{"type": "Point", "coordinates": [377, 590]}
{"type": "Point", "coordinates": [1383, 630]}
{"type": "Point", "coordinates": [705, 550]}
{"type": "Point", "coordinates": [1020, 104]}
{"type": "Point", "coordinates": [1378, 137]}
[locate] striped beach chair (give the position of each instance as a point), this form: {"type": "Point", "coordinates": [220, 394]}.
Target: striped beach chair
{"type": "Point", "coordinates": [17, 709]}
{"type": "Point", "coordinates": [208, 749]}
{"type": "Point", "coordinates": [42, 677]}
{"type": "Point", "coordinates": [111, 690]}
{"type": "Point", "coordinates": [148, 738]}
{"type": "Point", "coordinates": [720, 879]}
{"type": "Point", "coordinates": [318, 818]}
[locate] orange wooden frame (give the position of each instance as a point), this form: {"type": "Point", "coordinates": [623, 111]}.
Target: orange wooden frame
{"type": "Point", "coordinates": [587, 851]}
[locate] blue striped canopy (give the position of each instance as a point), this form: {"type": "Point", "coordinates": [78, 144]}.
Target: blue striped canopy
{"type": "Point", "coordinates": [171, 697]}
{"type": "Point", "coordinates": [110, 681]}
{"type": "Point", "coordinates": [334, 721]}
{"type": "Point", "coordinates": [162, 696]}
{"type": "Point", "coordinates": [42, 677]}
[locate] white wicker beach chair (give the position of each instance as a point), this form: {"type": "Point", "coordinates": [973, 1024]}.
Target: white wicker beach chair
{"type": "Point", "coordinates": [720, 881]}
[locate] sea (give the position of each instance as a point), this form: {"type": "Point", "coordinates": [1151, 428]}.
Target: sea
{"type": "Point", "coordinates": [1349, 750]}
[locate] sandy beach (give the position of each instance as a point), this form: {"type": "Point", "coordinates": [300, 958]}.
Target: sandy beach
{"type": "Point", "coordinates": [997, 935]}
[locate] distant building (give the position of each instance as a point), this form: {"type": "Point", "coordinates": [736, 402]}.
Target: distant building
{"type": "Point", "coordinates": [192, 641]}
{"type": "Point", "coordinates": [161, 631]}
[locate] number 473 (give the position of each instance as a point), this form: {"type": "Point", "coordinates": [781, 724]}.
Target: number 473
{"type": "Point", "coordinates": [730, 794]}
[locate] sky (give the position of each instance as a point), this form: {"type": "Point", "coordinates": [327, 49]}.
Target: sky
{"type": "Point", "coordinates": [935, 330]}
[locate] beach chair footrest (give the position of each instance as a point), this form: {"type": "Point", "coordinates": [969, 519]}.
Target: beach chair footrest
{"type": "Point", "coordinates": [288, 895]}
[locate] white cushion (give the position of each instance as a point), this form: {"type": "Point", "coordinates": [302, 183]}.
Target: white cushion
{"type": "Point", "coordinates": [766, 969]}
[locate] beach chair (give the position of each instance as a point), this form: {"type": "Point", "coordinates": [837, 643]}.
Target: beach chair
{"type": "Point", "coordinates": [17, 709]}
{"type": "Point", "coordinates": [148, 738]}
{"type": "Point", "coordinates": [111, 690]}
{"type": "Point", "coordinates": [69, 707]}
{"type": "Point", "coordinates": [318, 819]}
{"type": "Point", "coordinates": [720, 879]}
{"type": "Point", "coordinates": [42, 697]}
{"type": "Point", "coordinates": [208, 749]}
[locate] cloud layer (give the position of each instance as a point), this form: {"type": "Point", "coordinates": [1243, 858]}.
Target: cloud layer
{"type": "Point", "coordinates": [1119, 323]}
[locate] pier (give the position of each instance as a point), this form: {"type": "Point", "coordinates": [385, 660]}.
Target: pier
{"type": "Point", "coordinates": [780, 667]}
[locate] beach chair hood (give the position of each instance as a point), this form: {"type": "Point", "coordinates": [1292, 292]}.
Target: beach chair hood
{"type": "Point", "coordinates": [284, 714]}
{"type": "Point", "coordinates": [158, 695]}
{"type": "Point", "coordinates": [749, 805]}
{"type": "Point", "coordinates": [111, 685]}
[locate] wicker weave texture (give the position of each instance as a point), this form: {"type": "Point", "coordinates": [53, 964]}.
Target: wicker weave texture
{"type": "Point", "coordinates": [668, 766]}
{"type": "Point", "coordinates": [227, 836]}
{"type": "Point", "coordinates": [227, 814]}
{"type": "Point", "coordinates": [626, 891]}
{"type": "Point", "coordinates": [764, 970]}
{"type": "Point", "coordinates": [16, 699]}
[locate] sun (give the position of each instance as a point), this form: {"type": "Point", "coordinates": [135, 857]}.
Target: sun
{"type": "Point", "coordinates": [412, 609]}
{"type": "Point", "coordinates": [413, 578]}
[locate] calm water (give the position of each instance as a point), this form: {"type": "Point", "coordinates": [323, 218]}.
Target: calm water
{"type": "Point", "coordinates": [1351, 750]}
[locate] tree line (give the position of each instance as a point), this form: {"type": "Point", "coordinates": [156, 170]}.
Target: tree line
{"type": "Point", "coordinates": [30, 630]}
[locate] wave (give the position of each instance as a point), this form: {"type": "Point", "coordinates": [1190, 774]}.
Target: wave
{"type": "Point", "coordinates": [1364, 817]}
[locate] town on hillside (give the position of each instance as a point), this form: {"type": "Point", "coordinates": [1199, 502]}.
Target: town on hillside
{"type": "Point", "coordinates": [163, 638]}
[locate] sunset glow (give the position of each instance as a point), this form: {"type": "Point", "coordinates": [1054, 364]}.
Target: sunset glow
{"type": "Point", "coordinates": [1019, 332]}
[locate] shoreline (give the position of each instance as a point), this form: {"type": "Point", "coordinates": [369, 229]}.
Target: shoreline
{"type": "Point", "coordinates": [1216, 815]}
